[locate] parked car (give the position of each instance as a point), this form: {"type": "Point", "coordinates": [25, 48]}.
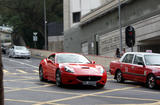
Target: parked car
{"type": "Point", "coordinates": [137, 66]}
{"type": "Point", "coordinates": [72, 68]}
{"type": "Point", "coordinates": [19, 51]}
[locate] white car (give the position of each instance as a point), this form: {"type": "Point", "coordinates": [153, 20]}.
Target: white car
{"type": "Point", "coordinates": [19, 51]}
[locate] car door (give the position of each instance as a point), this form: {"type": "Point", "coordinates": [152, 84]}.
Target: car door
{"type": "Point", "coordinates": [51, 67]}
{"type": "Point", "coordinates": [128, 66]}
{"type": "Point", "coordinates": [139, 68]}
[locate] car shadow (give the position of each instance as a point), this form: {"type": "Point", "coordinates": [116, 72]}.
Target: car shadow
{"type": "Point", "coordinates": [133, 83]}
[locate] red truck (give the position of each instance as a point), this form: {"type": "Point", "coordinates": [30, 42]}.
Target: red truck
{"type": "Point", "coordinates": [137, 66]}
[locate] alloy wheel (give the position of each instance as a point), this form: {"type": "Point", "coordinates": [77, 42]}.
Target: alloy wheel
{"type": "Point", "coordinates": [151, 82]}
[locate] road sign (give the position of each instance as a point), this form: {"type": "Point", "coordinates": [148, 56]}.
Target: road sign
{"type": "Point", "coordinates": [35, 33]}
{"type": "Point", "coordinates": [35, 38]}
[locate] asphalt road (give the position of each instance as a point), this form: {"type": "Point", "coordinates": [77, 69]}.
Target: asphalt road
{"type": "Point", "coordinates": [22, 87]}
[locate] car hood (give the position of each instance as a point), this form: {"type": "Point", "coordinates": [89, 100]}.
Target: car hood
{"type": "Point", "coordinates": [22, 51]}
{"type": "Point", "coordinates": [154, 68]}
{"type": "Point", "coordinates": [85, 69]}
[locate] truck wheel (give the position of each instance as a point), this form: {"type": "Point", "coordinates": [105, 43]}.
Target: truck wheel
{"type": "Point", "coordinates": [119, 77]}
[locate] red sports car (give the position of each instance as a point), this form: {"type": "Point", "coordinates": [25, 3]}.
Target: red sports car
{"type": "Point", "coordinates": [72, 68]}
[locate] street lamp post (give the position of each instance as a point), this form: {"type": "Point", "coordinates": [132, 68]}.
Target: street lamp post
{"type": "Point", "coordinates": [45, 27]}
{"type": "Point", "coordinates": [120, 25]}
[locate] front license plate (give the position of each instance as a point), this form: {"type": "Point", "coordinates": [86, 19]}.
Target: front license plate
{"type": "Point", "coordinates": [89, 82]}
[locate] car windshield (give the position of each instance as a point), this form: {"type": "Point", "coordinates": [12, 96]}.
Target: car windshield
{"type": "Point", "coordinates": [20, 48]}
{"type": "Point", "coordinates": [153, 60]}
{"type": "Point", "coordinates": [72, 58]}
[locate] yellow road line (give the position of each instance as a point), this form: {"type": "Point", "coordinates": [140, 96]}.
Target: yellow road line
{"type": "Point", "coordinates": [56, 92]}
{"type": "Point", "coordinates": [155, 103]}
{"type": "Point", "coordinates": [84, 95]}
{"type": "Point", "coordinates": [153, 92]}
{"type": "Point", "coordinates": [5, 71]}
{"type": "Point", "coordinates": [21, 71]}
{"type": "Point", "coordinates": [26, 101]}
{"type": "Point", "coordinates": [27, 88]}
{"type": "Point", "coordinates": [128, 98]}
{"type": "Point", "coordinates": [36, 71]}
{"type": "Point", "coordinates": [18, 80]}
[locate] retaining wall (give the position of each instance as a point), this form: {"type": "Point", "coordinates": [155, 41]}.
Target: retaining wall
{"type": "Point", "coordinates": [103, 60]}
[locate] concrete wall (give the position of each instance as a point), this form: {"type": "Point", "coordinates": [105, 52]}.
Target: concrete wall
{"type": "Point", "coordinates": [83, 6]}
{"type": "Point", "coordinates": [142, 14]}
{"type": "Point", "coordinates": [55, 43]}
{"type": "Point", "coordinates": [103, 60]}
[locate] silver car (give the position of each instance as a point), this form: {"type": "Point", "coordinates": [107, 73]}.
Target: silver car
{"type": "Point", "coordinates": [19, 51]}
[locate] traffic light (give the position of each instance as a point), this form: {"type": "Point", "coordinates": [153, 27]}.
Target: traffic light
{"type": "Point", "coordinates": [130, 36]}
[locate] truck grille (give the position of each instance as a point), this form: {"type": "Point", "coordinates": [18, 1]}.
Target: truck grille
{"type": "Point", "coordinates": [89, 78]}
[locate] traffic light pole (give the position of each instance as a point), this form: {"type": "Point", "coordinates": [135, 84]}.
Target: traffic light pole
{"type": "Point", "coordinates": [45, 26]}
{"type": "Point", "coordinates": [120, 25]}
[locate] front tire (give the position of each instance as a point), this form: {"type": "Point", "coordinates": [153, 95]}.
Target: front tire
{"type": "Point", "coordinates": [58, 79]}
{"type": "Point", "coordinates": [119, 77]}
{"type": "Point", "coordinates": [151, 82]}
{"type": "Point", "coordinates": [41, 75]}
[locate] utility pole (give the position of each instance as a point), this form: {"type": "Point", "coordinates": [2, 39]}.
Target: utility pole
{"type": "Point", "coordinates": [120, 25]}
{"type": "Point", "coordinates": [45, 26]}
{"type": "Point", "coordinates": [1, 80]}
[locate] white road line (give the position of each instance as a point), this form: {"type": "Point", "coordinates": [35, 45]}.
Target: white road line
{"type": "Point", "coordinates": [27, 61]}
{"type": "Point", "coordinates": [21, 71]}
{"type": "Point", "coordinates": [21, 62]}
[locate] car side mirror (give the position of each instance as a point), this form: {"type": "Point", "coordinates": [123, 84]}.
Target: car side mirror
{"type": "Point", "coordinates": [141, 63]}
{"type": "Point", "coordinates": [93, 62]}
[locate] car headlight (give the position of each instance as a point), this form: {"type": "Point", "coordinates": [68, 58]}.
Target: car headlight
{"type": "Point", "coordinates": [68, 69]}
{"type": "Point", "coordinates": [101, 70]}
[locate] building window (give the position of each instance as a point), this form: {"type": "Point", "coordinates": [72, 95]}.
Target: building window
{"type": "Point", "coordinates": [76, 17]}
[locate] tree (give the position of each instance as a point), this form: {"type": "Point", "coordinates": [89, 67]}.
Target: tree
{"type": "Point", "coordinates": [26, 16]}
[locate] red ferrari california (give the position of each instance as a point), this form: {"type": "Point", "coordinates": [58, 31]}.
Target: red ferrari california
{"type": "Point", "coordinates": [72, 68]}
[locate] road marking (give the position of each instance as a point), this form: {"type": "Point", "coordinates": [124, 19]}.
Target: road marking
{"type": "Point", "coordinates": [29, 88]}
{"type": "Point", "coordinates": [5, 71]}
{"type": "Point", "coordinates": [36, 71]}
{"type": "Point", "coordinates": [56, 92]}
{"type": "Point", "coordinates": [21, 71]}
{"type": "Point", "coordinates": [146, 91]}
{"type": "Point", "coordinates": [84, 95]}
{"type": "Point", "coordinates": [128, 98]}
{"type": "Point", "coordinates": [18, 79]}
{"type": "Point", "coordinates": [21, 63]}
{"type": "Point", "coordinates": [26, 101]}
{"type": "Point", "coordinates": [27, 61]}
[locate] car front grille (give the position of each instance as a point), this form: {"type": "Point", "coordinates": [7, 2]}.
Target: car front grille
{"type": "Point", "coordinates": [89, 78]}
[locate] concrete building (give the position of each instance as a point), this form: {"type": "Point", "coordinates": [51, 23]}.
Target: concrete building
{"type": "Point", "coordinates": [5, 35]}
{"type": "Point", "coordinates": [55, 37]}
{"type": "Point", "coordinates": [98, 31]}
{"type": "Point", "coordinates": [75, 9]}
